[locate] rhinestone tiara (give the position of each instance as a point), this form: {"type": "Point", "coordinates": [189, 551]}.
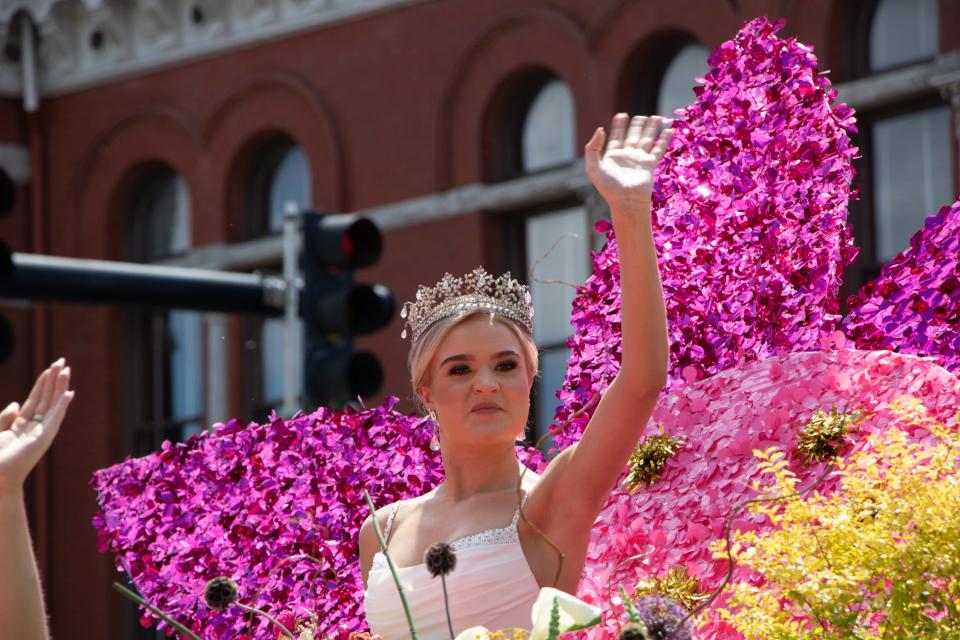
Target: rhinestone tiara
{"type": "Point", "coordinates": [502, 296]}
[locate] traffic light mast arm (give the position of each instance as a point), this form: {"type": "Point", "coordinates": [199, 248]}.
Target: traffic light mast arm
{"type": "Point", "coordinates": [54, 279]}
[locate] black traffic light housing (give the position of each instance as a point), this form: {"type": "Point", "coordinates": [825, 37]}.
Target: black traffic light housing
{"type": "Point", "coordinates": [335, 309]}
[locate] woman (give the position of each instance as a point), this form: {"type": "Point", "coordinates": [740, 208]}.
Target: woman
{"type": "Point", "coordinates": [25, 434]}
{"type": "Point", "coordinates": [472, 365]}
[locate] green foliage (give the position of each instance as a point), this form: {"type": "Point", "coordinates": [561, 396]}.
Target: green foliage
{"type": "Point", "coordinates": [877, 558]}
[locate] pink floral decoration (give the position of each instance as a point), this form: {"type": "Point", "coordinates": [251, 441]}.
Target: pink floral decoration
{"type": "Point", "coordinates": [749, 222]}
{"type": "Point", "coordinates": [914, 305]}
{"type": "Point", "coordinates": [725, 418]}
{"type": "Point", "coordinates": [238, 501]}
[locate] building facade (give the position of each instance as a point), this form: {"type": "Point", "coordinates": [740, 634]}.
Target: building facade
{"type": "Point", "coordinates": [175, 131]}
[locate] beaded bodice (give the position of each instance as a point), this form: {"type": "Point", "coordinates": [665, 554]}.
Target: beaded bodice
{"type": "Point", "coordinates": [502, 535]}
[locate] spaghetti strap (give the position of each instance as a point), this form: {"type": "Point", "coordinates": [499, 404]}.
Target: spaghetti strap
{"type": "Point", "coordinates": [516, 514]}
{"type": "Point", "coordinates": [393, 512]}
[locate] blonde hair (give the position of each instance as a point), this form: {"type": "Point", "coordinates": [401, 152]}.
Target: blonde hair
{"type": "Point", "coordinates": [423, 350]}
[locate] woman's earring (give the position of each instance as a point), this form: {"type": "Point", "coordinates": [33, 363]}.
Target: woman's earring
{"type": "Point", "coordinates": [435, 439]}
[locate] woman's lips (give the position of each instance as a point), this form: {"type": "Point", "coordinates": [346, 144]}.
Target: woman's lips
{"type": "Point", "coordinates": [487, 410]}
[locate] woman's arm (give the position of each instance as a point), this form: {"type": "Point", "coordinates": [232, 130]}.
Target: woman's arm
{"type": "Point", "coordinates": [25, 434]}
{"type": "Point", "coordinates": [582, 476]}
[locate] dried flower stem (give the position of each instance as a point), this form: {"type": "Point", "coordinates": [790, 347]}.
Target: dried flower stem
{"type": "Point", "coordinates": [446, 603]}
{"type": "Point", "coordinates": [295, 556]}
{"type": "Point", "coordinates": [136, 598]}
{"type": "Point", "coordinates": [266, 615]}
{"type": "Point", "coordinates": [393, 568]}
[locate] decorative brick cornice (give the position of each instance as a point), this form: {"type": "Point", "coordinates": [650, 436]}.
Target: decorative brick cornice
{"type": "Point", "coordinates": [84, 43]}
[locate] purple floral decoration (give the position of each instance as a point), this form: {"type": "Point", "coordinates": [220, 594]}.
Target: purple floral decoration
{"type": "Point", "coordinates": [749, 217]}
{"type": "Point", "coordinates": [664, 618]}
{"type": "Point", "coordinates": [914, 305]}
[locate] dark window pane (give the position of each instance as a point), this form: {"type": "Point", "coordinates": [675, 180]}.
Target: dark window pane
{"type": "Point", "coordinates": [676, 87]}
{"type": "Point", "coordinates": [903, 31]}
{"type": "Point", "coordinates": [912, 175]}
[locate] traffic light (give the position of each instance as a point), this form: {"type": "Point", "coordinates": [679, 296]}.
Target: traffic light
{"type": "Point", "coordinates": [335, 308]}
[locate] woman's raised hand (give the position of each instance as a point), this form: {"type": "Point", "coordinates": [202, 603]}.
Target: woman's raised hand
{"type": "Point", "coordinates": [27, 431]}
{"type": "Point", "coordinates": [624, 173]}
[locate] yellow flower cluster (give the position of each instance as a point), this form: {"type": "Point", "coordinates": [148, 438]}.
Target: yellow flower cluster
{"type": "Point", "coordinates": [822, 437]}
{"type": "Point", "coordinates": [677, 584]}
{"type": "Point", "coordinates": [649, 457]}
{"type": "Point", "coordinates": [877, 558]}
{"type": "Point", "coordinates": [506, 634]}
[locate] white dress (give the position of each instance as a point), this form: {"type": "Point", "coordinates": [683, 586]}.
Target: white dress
{"type": "Point", "coordinates": [492, 586]}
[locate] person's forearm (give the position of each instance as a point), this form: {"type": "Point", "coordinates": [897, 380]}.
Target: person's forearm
{"type": "Point", "coordinates": [22, 615]}
{"type": "Point", "coordinates": [643, 323]}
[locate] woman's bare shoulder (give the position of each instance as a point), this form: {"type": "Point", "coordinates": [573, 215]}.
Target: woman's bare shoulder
{"type": "Point", "coordinates": [383, 513]}
{"type": "Point", "coordinates": [368, 536]}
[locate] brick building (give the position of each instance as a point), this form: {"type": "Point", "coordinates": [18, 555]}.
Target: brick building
{"type": "Point", "coordinates": [173, 131]}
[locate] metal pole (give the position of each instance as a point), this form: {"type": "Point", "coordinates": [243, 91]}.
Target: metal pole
{"type": "Point", "coordinates": [291, 231]}
{"type": "Point", "coordinates": [54, 279]}
{"type": "Point", "coordinates": [31, 98]}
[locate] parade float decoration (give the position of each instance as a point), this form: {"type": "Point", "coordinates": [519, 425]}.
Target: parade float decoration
{"type": "Point", "coordinates": [769, 391]}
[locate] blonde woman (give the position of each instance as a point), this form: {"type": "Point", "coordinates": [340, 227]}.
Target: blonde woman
{"type": "Point", "coordinates": [472, 363]}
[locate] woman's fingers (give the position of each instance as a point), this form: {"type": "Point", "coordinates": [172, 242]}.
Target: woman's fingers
{"type": "Point", "coordinates": [51, 422]}
{"type": "Point", "coordinates": [30, 405]}
{"type": "Point", "coordinates": [635, 130]}
{"type": "Point", "coordinates": [666, 135]}
{"type": "Point", "coordinates": [46, 399]}
{"type": "Point", "coordinates": [61, 385]}
{"type": "Point", "coordinates": [650, 131]}
{"type": "Point", "coordinates": [591, 152]}
{"type": "Point", "coordinates": [39, 399]}
{"type": "Point", "coordinates": [8, 415]}
{"type": "Point", "coordinates": [618, 131]}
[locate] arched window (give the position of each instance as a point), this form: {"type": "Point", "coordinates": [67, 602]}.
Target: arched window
{"type": "Point", "coordinates": [158, 216]}
{"type": "Point", "coordinates": [166, 363]}
{"type": "Point", "coordinates": [533, 126]}
{"type": "Point", "coordinates": [279, 174]}
{"type": "Point", "coordinates": [679, 78]}
{"type": "Point", "coordinates": [903, 31]}
{"type": "Point", "coordinates": [290, 183]}
{"type": "Point", "coordinates": [549, 131]}
{"type": "Point", "coordinates": [661, 72]}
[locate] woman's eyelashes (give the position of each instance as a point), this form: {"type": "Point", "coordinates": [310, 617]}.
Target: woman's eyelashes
{"type": "Point", "coordinates": [462, 369]}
